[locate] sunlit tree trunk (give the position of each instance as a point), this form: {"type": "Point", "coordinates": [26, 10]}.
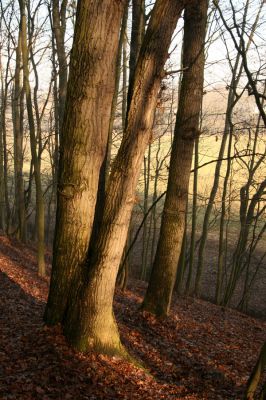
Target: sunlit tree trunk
{"type": "Point", "coordinates": [89, 321]}
{"type": "Point", "coordinates": [83, 142]}
{"type": "Point", "coordinates": [159, 292]}
{"type": "Point", "coordinates": [255, 377]}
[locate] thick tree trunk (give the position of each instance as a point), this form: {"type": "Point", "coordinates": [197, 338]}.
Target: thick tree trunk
{"type": "Point", "coordinates": [89, 321]}
{"type": "Point", "coordinates": [83, 143]}
{"type": "Point", "coordinates": [159, 292]}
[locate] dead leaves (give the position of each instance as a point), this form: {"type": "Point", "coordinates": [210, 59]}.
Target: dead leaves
{"type": "Point", "coordinates": [199, 352]}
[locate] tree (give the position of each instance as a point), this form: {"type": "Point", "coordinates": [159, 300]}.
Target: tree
{"type": "Point", "coordinates": [232, 100]}
{"type": "Point", "coordinates": [17, 116]}
{"type": "Point", "coordinates": [59, 29]}
{"type": "Point", "coordinates": [83, 142]}
{"type": "Point", "coordinates": [256, 375]}
{"type": "Point", "coordinates": [87, 313]}
{"type": "Point", "coordinates": [158, 296]}
{"type": "Point", "coordinates": [33, 140]}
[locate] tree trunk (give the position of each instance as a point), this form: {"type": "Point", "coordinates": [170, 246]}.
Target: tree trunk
{"type": "Point", "coordinates": [33, 142]}
{"type": "Point", "coordinates": [20, 217]}
{"type": "Point", "coordinates": [83, 142]}
{"type": "Point", "coordinates": [137, 35]}
{"type": "Point", "coordinates": [89, 321]}
{"type": "Point", "coordinates": [194, 218]}
{"type": "Point", "coordinates": [59, 29]}
{"type": "Point", "coordinates": [256, 375]}
{"type": "Point", "coordinates": [116, 90]}
{"type": "Point", "coordinates": [159, 292]}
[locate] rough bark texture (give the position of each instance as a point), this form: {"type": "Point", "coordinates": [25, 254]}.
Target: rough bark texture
{"type": "Point", "coordinates": [159, 292]}
{"type": "Point", "coordinates": [83, 143]}
{"type": "Point", "coordinates": [89, 321]}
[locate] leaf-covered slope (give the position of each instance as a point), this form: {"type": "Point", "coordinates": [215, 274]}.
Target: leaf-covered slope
{"type": "Point", "coordinates": [200, 352]}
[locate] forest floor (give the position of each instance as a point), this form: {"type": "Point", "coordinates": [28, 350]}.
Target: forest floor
{"type": "Point", "coordinates": [200, 352]}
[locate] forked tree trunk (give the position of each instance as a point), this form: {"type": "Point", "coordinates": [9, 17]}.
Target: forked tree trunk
{"type": "Point", "coordinates": [159, 292]}
{"type": "Point", "coordinates": [83, 142]}
{"type": "Point", "coordinates": [89, 321]}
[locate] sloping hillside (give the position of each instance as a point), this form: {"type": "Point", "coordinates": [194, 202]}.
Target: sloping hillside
{"type": "Point", "coordinates": [200, 352]}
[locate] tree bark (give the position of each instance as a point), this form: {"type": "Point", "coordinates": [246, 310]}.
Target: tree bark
{"type": "Point", "coordinates": [89, 321]}
{"type": "Point", "coordinates": [83, 142]}
{"type": "Point", "coordinates": [159, 292]}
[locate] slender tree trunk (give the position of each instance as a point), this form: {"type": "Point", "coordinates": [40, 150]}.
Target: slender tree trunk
{"type": "Point", "coordinates": [182, 261]}
{"type": "Point", "coordinates": [256, 375]}
{"type": "Point", "coordinates": [159, 292]}
{"type": "Point", "coordinates": [89, 320]}
{"type": "Point", "coordinates": [137, 35]}
{"type": "Point", "coordinates": [2, 187]}
{"type": "Point", "coordinates": [246, 218]}
{"type": "Point", "coordinates": [2, 190]}
{"type": "Point", "coordinates": [194, 218]}
{"type": "Point", "coordinates": [233, 98]}
{"type": "Point", "coordinates": [4, 94]}
{"type": "Point", "coordinates": [33, 143]}
{"type": "Point", "coordinates": [20, 216]}
{"type": "Point", "coordinates": [59, 29]}
{"type": "Point", "coordinates": [220, 263]}
{"type": "Point", "coordinates": [83, 143]}
{"type": "Point", "coordinates": [145, 236]}
{"type": "Point", "coordinates": [116, 91]}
